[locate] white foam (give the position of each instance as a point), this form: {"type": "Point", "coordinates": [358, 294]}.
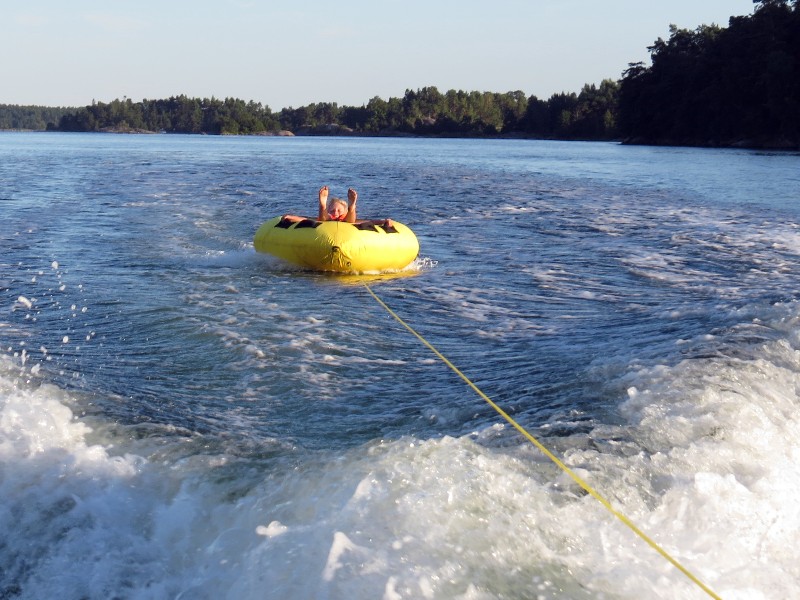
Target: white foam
{"type": "Point", "coordinates": [24, 302]}
{"type": "Point", "coordinates": [66, 502]}
{"type": "Point", "coordinates": [704, 460]}
{"type": "Point", "coordinates": [274, 529]}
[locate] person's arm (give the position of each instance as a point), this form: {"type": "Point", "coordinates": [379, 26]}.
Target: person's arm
{"type": "Point", "coordinates": [352, 197]}
{"type": "Point", "coordinates": [383, 222]}
{"type": "Point", "coordinates": [323, 203]}
{"type": "Point", "coordinates": [293, 218]}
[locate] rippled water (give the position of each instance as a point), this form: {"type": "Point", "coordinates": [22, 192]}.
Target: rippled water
{"type": "Point", "coordinates": [181, 417]}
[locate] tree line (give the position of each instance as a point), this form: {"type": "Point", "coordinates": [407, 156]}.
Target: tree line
{"type": "Point", "coordinates": [425, 111]}
{"type": "Point", "coordinates": [31, 117]}
{"type": "Point", "coordinates": [708, 86]}
{"type": "Point", "coordinates": [174, 115]}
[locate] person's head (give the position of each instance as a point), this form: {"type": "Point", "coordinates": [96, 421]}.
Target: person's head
{"type": "Point", "coordinates": [337, 209]}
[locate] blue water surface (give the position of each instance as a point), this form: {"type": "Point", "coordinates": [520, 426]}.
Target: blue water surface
{"type": "Point", "coordinates": [551, 273]}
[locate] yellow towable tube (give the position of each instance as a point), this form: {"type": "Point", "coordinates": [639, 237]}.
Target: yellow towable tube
{"type": "Point", "coordinates": [338, 246]}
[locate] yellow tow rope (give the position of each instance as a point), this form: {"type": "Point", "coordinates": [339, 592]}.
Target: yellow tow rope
{"type": "Point", "coordinates": [589, 489]}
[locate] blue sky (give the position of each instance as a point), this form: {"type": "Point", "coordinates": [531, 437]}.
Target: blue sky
{"type": "Point", "coordinates": [292, 53]}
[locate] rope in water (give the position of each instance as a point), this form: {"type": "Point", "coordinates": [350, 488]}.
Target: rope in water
{"type": "Point", "coordinates": [589, 489]}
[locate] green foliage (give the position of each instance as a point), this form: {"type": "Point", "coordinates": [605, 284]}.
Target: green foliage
{"type": "Point", "coordinates": [175, 115]}
{"type": "Point", "coordinates": [37, 118]}
{"type": "Point", "coordinates": [714, 85]}
{"type": "Point", "coordinates": [426, 111]}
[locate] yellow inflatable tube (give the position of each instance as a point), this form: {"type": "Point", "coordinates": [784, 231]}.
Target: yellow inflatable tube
{"type": "Point", "coordinates": [338, 246]}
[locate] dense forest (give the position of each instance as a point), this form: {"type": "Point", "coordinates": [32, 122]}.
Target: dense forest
{"type": "Point", "coordinates": [719, 86]}
{"type": "Point", "coordinates": [426, 111]}
{"type": "Point", "coordinates": [31, 117]}
{"type": "Point", "coordinates": [735, 85]}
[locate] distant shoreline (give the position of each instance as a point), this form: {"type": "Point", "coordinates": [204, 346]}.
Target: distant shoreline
{"type": "Point", "coordinates": [778, 145]}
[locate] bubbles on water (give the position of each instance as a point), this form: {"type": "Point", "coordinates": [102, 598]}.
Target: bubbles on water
{"type": "Point", "coordinates": [46, 314]}
{"type": "Point", "coordinates": [423, 263]}
{"type": "Point", "coordinates": [24, 302]}
{"type": "Point", "coordinates": [274, 529]}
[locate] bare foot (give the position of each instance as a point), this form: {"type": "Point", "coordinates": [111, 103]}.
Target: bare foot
{"type": "Point", "coordinates": [352, 196]}
{"type": "Point", "coordinates": [323, 203]}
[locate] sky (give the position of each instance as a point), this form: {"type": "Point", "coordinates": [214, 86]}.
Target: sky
{"type": "Point", "coordinates": [291, 53]}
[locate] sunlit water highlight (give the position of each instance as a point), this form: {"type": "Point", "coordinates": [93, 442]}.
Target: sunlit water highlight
{"type": "Point", "coordinates": [183, 418]}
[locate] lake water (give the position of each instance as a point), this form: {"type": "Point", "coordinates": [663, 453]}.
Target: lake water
{"type": "Point", "coordinates": [181, 417]}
